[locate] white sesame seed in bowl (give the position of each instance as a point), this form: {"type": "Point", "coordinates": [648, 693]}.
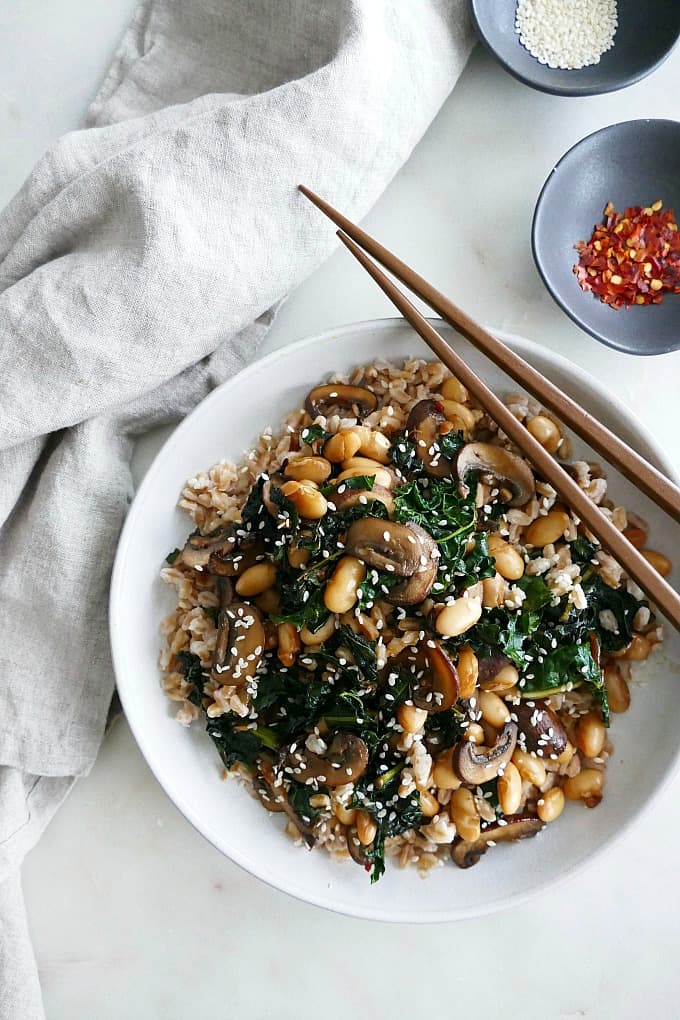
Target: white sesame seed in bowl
{"type": "Point", "coordinates": [578, 47]}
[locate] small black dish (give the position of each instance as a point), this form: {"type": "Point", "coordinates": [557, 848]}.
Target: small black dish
{"type": "Point", "coordinates": [647, 32]}
{"type": "Point", "coordinates": [633, 163]}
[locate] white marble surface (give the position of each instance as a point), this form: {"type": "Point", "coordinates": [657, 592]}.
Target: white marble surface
{"type": "Point", "coordinates": [133, 914]}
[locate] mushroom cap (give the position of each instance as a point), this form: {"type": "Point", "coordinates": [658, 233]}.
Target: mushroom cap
{"type": "Point", "coordinates": [539, 728]}
{"type": "Point", "coordinates": [274, 797]}
{"type": "Point", "coordinates": [199, 548]}
{"type": "Point", "coordinates": [475, 767]}
{"type": "Point", "coordinates": [438, 688]}
{"type": "Point", "coordinates": [422, 427]}
{"type": "Point", "coordinates": [240, 643]}
{"type": "Point", "coordinates": [465, 853]}
{"type": "Point", "coordinates": [504, 465]}
{"type": "Point", "coordinates": [345, 761]}
{"type": "Point", "coordinates": [417, 587]}
{"type": "Point", "coordinates": [351, 497]}
{"type": "Point", "coordinates": [340, 395]}
{"type": "Point", "coordinates": [230, 562]}
{"type": "Point", "coordinates": [385, 545]}
{"type": "Point", "coordinates": [356, 849]}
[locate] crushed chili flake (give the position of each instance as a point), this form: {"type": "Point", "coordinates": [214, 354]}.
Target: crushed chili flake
{"type": "Point", "coordinates": [632, 258]}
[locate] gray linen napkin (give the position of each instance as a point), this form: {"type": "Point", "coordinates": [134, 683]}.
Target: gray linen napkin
{"type": "Point", "coordinates": [140, 265]}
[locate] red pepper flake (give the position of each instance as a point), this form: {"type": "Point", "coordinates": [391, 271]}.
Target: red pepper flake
{"type": "Point", "coordinates": [632, 258]}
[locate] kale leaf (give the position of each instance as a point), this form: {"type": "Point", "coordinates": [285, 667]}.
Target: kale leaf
{"type": "Point", "coordinates": [393, 814]}
{"type": "Point", "coordinates": [172, 556]}
{"type": "Point", "coordinates": [234, 743]}
{"type": "Point", "coordinates": [404, 457]}
{"type": "Point", "coordinates": [192, 670]}
{"type": "Point", "coordinates": [436, 505]}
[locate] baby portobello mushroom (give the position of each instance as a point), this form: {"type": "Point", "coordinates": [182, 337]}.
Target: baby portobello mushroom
{"type": "Point", "coordinates": [405, 550]}
{"type": "Point", "coordinates": [199, 548]}
{"type": "Point", "coordinates": [240, 643]}
{"type": "Point", "coordinates": [275, 798]}
{"type": "Point", "coordinates": [419, 585]}
{"type": "Point", "coordinates": [438, 687]}
{"type": "Point", "coordinates": [339, 395]}
{"type": "Point", "coordinates": [505, 467]}
{"type": "Point", "coordinates": [344, 762]}
{"type": "Point", "coordinates": [356, 849]}
{"type": "Point", "coordinates": [466, 853]}
{"type": "Point", "coordinates": [539, 728]}
{"type": "Point", "coordinates": [344, 498]}
{"type": "Point", "coordinates": [490, 666]}
{"type": "Point", "coordinates": [232, 561]}
{"type": "Point", "coordinates": [422, 429]}
{"type": "Point", "coordinates": [478, 766]}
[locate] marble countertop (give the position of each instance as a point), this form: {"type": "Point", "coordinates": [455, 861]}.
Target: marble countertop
{"type": "Point", "coordinates": [132, 913]}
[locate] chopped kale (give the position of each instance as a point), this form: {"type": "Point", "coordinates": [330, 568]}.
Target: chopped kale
{"type": "Point", "coordinates": [376, 585]}
{"type": "Point", "coordinates": [450, 444]}
{"type": "Point", "coordinates": [363, 652]}
{"type": "Point", "coordinates": [192, 670]}
{"type": "Point", "coordinates": [393, 814]}
{"type": "Point", "coordinates": [172, 556]}
{"type": "Point", "coordinates": [363, 482]}
{"type": "Point", "coordinates": [299, 796]}
{"type": "Point", "coordinates": [315, 436]}
{"type": "Point", "coordinates": [234, 743]}
{"type": "Point", "coordinates": [436, 505]}
{"type": "Point", "coordinates": [404, 457]}
{"type": "Point", "coordinates": [444, 728]}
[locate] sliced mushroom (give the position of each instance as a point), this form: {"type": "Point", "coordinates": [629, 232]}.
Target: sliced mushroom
{"type": "Point", "coordinates": [418, 587]}
{"type": "Point", "coordinates": [386, 545]}
{"type": "Point", "coordinates": [339, 395]}
{"type": "Point", "coordinates": [491, 665]}
{"type": "Point", "coordinates": [240, 643]}
{"type": "Point", "coordinates": [501, 464]}
{"type": "Point", "coordinates": [438, 687]}
{"type": "Point", "coordinates": [230, 562]}
{"type": "Point", "coordinates": [345, 762]}
{"type": "Point", "coordinates": [422, 428]}
{"type": "Point", "coordinates": [356, 849]}
{"type": "Point", "coordinates": [275, 798]}
{"type": "Point", "coordinates": [465, 853]}
{"type": "Point", "coordinates": [477, 767]}
{"type": "Point", "coordinates": [199, 548]}
{"type": "Point", "coordinates": [540, 730]}
{"type": "Point", "coordinates": [274, 482]}
{"type": "Point", "coordinates": [361, 497]}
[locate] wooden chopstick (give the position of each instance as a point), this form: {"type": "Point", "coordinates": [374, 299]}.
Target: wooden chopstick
{"type": "Point", "coordinates": [609, 446]}
{"type": "Point", "coordinates": [658, 590]}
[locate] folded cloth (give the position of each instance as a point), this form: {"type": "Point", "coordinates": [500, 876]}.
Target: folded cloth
{"type": "Point", "coordinates": [140, 265]}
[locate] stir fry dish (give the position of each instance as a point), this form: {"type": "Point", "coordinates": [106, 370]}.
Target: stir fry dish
{"type": "Point", "coordinates": [394, 633]}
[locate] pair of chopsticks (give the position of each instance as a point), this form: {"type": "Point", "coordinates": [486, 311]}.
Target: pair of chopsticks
{"type": "Point", "coordinates": [646, 477]}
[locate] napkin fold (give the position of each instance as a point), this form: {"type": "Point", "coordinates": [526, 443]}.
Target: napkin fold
{"type": "Point", "coordinates": [140, 265]}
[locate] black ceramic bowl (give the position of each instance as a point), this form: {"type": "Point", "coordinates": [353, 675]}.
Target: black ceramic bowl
{"type": "Point", "coordinates": [646, 34]}
{"type": "Point", "coordinates": [634, 163]}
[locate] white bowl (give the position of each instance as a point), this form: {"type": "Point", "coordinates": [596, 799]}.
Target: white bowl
{"type": "Point", "coordinates": [185, 761]}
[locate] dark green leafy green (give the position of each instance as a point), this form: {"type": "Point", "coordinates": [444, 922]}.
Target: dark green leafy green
{"type": "Point", "coordinates": [393, 814]}
{"type": "Point", "coordinates": [192, 671]}
{"type": "Point", "coordinates": [234, 744]}
{"type": "Point", "coordinates": [436, 506]}
{"type": "Point", "coordinates": [172, 556]}
{"type": "Point", "coordinates": [299, 796]}
{"type": "Point", "coordinates": [450, 444]}
{"type": "Point", "coordinates": [314, 435]}
{"type": "Point", "coordinates": [404, 457]}
{"type": "Point", "coordinates": [363, 482]}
